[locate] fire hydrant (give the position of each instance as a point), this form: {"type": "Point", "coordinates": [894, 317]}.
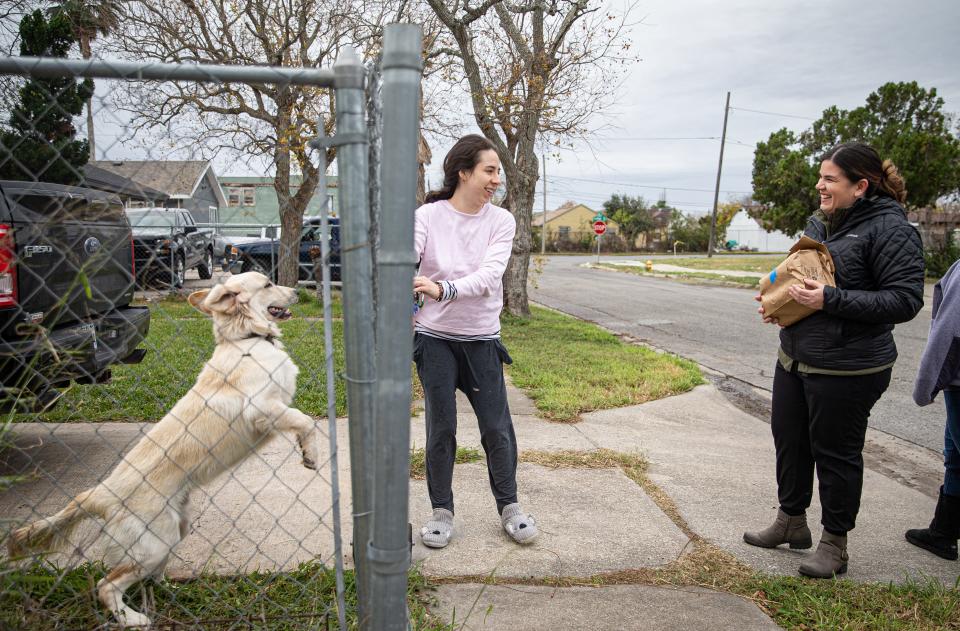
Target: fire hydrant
{"type": "Point", "coordinates": [649, 265]}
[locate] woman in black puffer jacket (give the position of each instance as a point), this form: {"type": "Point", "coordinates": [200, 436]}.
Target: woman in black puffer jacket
{"type": "Point", "coordinates": [834, 365]}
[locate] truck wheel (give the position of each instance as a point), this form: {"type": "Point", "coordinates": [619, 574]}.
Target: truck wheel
{"type": "Point", "coordinates": [205, 268]}
{"type": "Point", "coordinates": [179, 272]}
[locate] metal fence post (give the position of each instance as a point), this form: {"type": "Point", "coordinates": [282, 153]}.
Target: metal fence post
{"type": "Point", "coordinates": [389, 551]}
{"type": "Point", "coordinates": [358, 326]}
{"type": "Point", "coordinates": [331, 384]}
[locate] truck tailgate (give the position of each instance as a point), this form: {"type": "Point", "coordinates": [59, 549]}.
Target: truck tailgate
{"type": "Point", "coordinates": [90, 234]}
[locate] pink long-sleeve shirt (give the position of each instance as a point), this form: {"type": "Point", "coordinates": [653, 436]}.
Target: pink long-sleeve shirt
{"type": "Point", "coordinates": [472, 252]}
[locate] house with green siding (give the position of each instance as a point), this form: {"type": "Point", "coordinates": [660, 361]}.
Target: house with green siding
{"type": "Point", "coordinates": [253, 200]}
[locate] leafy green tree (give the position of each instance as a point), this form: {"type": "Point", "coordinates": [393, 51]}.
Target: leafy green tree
{"type": "Point", "coordinates": [632, 214]}
{"type": "Point", "coordinates": [784, 180]}
{"type": "Point", "coordinates": [903, 121]}
{"type": "Point", "coordinates": [693, 232]}
{"type": "Point", "coordinates": [40, 143]}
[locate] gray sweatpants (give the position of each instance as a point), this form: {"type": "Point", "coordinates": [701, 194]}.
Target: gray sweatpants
{"type": "Point", "coordinates": [475, 368]}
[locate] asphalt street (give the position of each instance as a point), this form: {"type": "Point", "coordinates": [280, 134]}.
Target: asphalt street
{"type": "Point", "coordinates": [718, 327]}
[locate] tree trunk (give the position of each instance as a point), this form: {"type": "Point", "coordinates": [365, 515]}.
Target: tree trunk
{"type": "Point", "coordinates": [424, 157]}
{"type": "Point", "coordinates": [291, 217]}
{"type": "Point", "coordinates": [291, 222]}
{"type": "Point", "coordinates": [521, 189]}
{"type": "Point", "coordinates": [86, 53]}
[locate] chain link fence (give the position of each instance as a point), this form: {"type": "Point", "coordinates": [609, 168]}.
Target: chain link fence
{"type": "Point", "coordinates": [169, 449]}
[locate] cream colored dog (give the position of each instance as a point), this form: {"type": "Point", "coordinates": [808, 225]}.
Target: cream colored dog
{"type": "Point", "coordinates": [241, 398]}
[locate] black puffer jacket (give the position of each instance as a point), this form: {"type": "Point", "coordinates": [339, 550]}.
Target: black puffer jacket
{"type": "Point", "coordinates": [879, 272]}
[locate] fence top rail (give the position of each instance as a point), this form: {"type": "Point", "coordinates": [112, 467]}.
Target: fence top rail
{"type": "Point", "coordinates": [115, 69]}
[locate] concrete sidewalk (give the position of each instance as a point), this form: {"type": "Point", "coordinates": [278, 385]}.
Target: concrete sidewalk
{"type": "Point", "coordinates": [715, 463]}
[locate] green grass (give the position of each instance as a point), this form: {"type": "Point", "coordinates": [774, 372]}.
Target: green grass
{"type": "Point", "coordinates": [418, 462]}
{"type": "Point", "coordinates": [799, 603]}
{"type": "Point", "coordinates": [724, 279]}
{"type": "Point", "coordinates": [606, 372]}
{"type": "Point", "coordinates": [569, 367]}
{"type": "Point", "coordinates": [180, 341]}
{"type": "Point", "coordinates": [746, 263]}
{"type": "Point", "coordinates": [41, 598]}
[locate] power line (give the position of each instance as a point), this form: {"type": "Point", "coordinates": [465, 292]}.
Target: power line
{"type": "Point", "coordinates": [635, 138]}
{"type": "Point", "coordinates": [562, 192]}
{"type": "Point", "coordinates": [656, 186]}
{"type": "Point", "coordinates": [743, 109]}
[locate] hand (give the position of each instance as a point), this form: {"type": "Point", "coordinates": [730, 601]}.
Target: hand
{"type": "Point", "coordinates": [426, 287]}
{"type": "Point", "coordinates": [810, 295]}
{"type": "Point", "coordinates": [760, 310]}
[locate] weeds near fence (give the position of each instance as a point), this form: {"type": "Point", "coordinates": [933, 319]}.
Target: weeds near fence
{"type": "Point", "coordinates": [41, 597]}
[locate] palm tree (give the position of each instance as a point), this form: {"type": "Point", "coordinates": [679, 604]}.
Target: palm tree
{"type": "Point", "coordinates": [89, 19]}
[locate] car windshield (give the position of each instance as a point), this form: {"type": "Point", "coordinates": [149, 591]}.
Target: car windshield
{"type": "Point", "coordinates": [149, 219]}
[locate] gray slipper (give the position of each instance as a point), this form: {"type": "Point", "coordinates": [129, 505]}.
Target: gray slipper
{"type": "Point", "coordinates": [521, 527]}
{"type": "Point", "coordinates": [437, 531]}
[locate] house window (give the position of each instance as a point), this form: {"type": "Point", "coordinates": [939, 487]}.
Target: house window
{"type": "Point", "coordinates": [136, 203]}
{"type": "Point", "coordinates": [241, 196]}
{"type": "Point", "coordinates": [564, 232]}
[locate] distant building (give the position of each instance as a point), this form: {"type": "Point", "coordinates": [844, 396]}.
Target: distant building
{"type": "Point", "coordinates": [131, 193]}
{"type": "Point", "coordinates": [745, 230]}
{"type": "Point", "coordinates": [190, 184]}
{"type": "Point", "coordinates": [571, 221]}
{"type": "Point", "coordinates": [935, 224]}
{"type": "Point", "coordinates": [253, 200]}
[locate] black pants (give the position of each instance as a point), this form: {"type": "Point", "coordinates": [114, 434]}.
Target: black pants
{"type": "Point", "coordinates": [476, 368]}
{"type": "Point", "coordinates": [821, 420]}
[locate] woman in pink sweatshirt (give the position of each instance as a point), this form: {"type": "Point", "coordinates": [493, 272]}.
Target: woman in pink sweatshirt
{"type": "Point", "coordinates": [464, 243]}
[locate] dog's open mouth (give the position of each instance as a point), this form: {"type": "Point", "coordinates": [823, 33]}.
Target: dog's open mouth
{"type": "Point", "coordinates": [279, 313]}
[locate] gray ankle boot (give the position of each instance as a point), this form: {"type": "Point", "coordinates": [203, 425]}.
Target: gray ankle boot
{"type": "Point", "coordinates": [786, 529]}
{"type": "Point", "coordinates": [830, 558]}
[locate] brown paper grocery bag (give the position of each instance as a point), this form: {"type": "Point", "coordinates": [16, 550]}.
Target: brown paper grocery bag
{"type": "Point", "coordinates": [808, 259]}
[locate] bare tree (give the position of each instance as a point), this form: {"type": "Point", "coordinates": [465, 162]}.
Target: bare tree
{"type": "Point", "coordinates": [537, 71]}
{"type": "Point", "coordinates": [272, 122]}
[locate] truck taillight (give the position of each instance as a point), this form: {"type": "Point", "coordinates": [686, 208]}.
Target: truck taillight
{"type": "Point", "coordinates": [8, 267]}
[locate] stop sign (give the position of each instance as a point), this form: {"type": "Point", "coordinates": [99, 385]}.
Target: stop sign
{"type": "Point", "coordinates": [599, 227]}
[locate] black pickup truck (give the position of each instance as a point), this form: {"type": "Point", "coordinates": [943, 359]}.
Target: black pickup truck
{"type": "Point", "coordinates": [262, 255]}
{"type": "Point", "coordinates": [167, 242]}
{"type": "Point", "coordinates": [66, 283]}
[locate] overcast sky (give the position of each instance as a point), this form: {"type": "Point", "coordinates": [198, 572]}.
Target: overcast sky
{"type": "Point", "coordinates": [792, 59]}
{"type": "Point", "coordinates": [789, 58]}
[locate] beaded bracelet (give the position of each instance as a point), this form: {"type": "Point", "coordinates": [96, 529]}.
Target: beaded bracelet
{"type": "Point", "coordinates": [440, 287]}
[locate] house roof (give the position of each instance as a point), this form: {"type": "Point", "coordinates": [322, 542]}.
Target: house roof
{"type": "Point", "coordinates": [101, 179]}
{"type": "Point", "coordinates": [559, 212]}
{"type": "Point", "coordinates": [260, 180]}
{"type": "Point", "coordinates": [176, 178]}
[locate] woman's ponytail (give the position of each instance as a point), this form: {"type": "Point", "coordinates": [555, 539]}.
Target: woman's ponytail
{"type": "Point", "coordinates": [445, 192]}
{"type": "Point", "coordinates": [891, 182]}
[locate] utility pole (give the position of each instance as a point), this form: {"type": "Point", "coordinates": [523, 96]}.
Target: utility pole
{"type": "Point", "coordinates": [543, 228]}
{"type": "Point", "coordinates": [716, 192]}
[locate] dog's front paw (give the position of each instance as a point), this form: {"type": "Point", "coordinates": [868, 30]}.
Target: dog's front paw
{"type": "Point", "coordinates": [308, 448]}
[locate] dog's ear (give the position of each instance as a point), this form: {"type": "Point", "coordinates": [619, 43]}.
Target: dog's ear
{"type": "Point", "coordinates": [196, 300]}
{"type": "Point", "coordinates": [217, 299]}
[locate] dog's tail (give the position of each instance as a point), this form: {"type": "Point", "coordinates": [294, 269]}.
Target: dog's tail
{"type": "Point", "coordinates": [50, 533]}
